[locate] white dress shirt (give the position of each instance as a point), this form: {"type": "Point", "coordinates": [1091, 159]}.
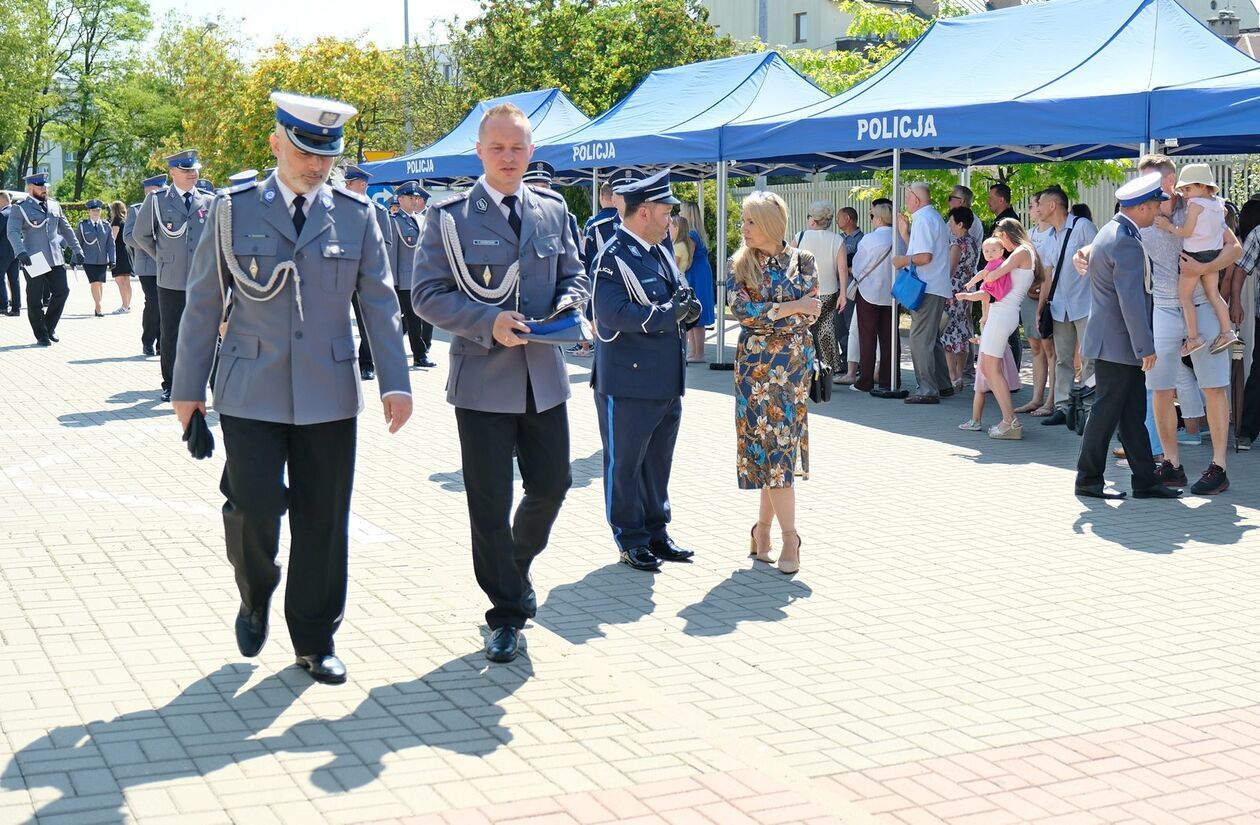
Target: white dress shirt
{"type": "Point", "coordinates": [498, 197]}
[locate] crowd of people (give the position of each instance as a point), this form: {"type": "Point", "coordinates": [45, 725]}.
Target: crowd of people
{"type": "Point", "coordinates": [983, 286]}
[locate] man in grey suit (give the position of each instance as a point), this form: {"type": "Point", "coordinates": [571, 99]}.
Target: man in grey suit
{"type": "Point", "coordinates": [37, 226]}
{"type": "Point", "coordinates": [146, 271]}
{"type": "Point", "coordinates": [291, 250]}
{"type": "Point", "coordinates": [512, 256]}
{"type": "Point", "coordinates": [168, 227]}
{"type": "Point", "coordinates": [1120, 341]}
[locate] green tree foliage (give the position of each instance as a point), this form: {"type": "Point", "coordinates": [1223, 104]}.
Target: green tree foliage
{"type": "Point", "coordinates": [595, 51]}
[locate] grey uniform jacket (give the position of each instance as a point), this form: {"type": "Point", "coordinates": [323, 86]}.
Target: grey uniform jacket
{"type": "Point", "coordinates": [32, 230]}
{"type": "Point", "coordinates": [169, 232]}
{"type": "Point", "coordinates": [485, 375]}
{"type": "Point", "coordinates": [97, 241]}
{"type": "Point", "coordinates": [142, 262]}
{"type": "Point", "coordinates": [407, 231]}
{"type": "Point", "coordinates": [275, 365]}
{"type": "Point", "coordinates": [6, 248]}
{"type": "Point", "coordinates": [386, 223]}
{"type": "Point", "coordinates": [1119, 327]}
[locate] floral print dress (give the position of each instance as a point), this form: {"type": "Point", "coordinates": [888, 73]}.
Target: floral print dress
{"type": "Point", "coordinates": [774, 364]}
{"type": "Point", "coordinates": [957, 334]}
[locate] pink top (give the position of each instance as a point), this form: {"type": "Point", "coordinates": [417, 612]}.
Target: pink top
{"type": "Point", "coordinates": [1002, 286]}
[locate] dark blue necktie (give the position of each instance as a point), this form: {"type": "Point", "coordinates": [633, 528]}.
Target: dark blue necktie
{"type": "Point", "coordinates": [513, 219]}
{"type": "Point", "coordinates": [188, 201]}
{"type": "Point", "coordinates": [299, 217]}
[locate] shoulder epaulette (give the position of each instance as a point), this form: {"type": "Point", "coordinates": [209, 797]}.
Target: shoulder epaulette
{"type": "Point", "coordinates": [453, 199]}
{"type": "Point", "coordinates": [136, 205]}
{"type": "Point", "coordinates": [600, 222]}
{"type": "Point", "coordinates": [355, 196]}
{"type": "Point", "coordinates": [549, 193]}
{"type": "Point", "coordinates": [240, 187]}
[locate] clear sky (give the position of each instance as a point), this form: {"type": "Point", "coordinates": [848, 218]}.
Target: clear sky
{"type": "Point", "coordinates": [303, 20]}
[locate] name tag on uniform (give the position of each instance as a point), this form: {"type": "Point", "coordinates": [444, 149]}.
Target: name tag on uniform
{"type": "Point", "coordinates": [332, 250]}
{"type": "Point", "coordinates": [647, 281]}
{"type": "Point", "coordinates": [482, 242]}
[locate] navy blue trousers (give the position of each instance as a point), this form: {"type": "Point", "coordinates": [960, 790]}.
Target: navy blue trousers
{"type": "Point", "coordinates": [639, 436]}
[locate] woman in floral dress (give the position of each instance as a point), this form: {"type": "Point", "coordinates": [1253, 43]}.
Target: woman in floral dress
{"type": "Point", "coordinates": [963, 259]}
{"type": "Point", "coordinates": [772, 291]}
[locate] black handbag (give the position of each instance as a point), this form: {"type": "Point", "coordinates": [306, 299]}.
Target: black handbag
{"type": "Point", "coordinates": [1045, 321]}
{"type": "Point", "coordinates": [1077, 413]}
{"type": "Point", "coordinates": [820, 384]}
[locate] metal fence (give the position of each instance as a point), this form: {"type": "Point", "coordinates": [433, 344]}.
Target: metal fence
{"type": "Point", "coordinates": [1231, 172]}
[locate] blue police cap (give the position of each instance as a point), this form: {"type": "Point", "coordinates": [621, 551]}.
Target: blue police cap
{"type": "Point", "coordinates": [205, 185]}
{"type": "Point", "coordinates": [1141, 189]}
{"type": "Point", "coordinates": [540, 171]}
{"type": "Point", "coordinates": [625, 176]}
{"type": "Point", "coordinates": [243, 176]}
{"type": "Point", "coordinates": [37, 179]}
{"type": "Point", "coordinates": [412, 188]}
{"type": "Point", "coordinates": [313, 124]}
{"type": "Point", "coordinates": [186, 159]}
{"type": "Point", "coordinates": [649, 190]}
{"type": "Point", "coordinates": [156, 180]}
{"type": "Point", "coordinates": [94, 204]}
{"type": "Point", "coordinates": [353, 172]}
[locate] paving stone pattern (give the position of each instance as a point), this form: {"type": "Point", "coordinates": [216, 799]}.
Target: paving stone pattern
{"type": "Point", "coordinates": [966, 642]}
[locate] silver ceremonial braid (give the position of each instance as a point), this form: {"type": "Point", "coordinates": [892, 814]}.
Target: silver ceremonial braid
{"type": "Point", "coordinates": [464, 279]}
{"type": "Point", "coordinates": [86, 242]}
{"type": "Point", "coordinates": [403, 239]}
{"type": "Point", "coordinates": [633, 286]}
{"type": "Point", "coordinates": [27, 220]}
{"type": "Point", "coordinates": [179, 233]}
{"type": "Point", "coordinates": [244, 284]}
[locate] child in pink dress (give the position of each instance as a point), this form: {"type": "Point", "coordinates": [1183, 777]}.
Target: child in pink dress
{"type": "Point", "coordinates": [996, 290]}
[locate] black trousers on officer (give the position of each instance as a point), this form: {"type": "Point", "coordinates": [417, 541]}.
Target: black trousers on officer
{"type": "Point", "coordinates": [639, 436]}
{"type": "Point", "coordinates": [419, 331]}
{"type": "Point", "coordinates": [320, 459]}
{"type": "Point", "coordinates": [11, 299]}
{"type": "Point", "coordinates": [171, 309]}
{"type": "Point", "coordinates": [365, 349]}
{"type": "Point", "coordinates": [150, 318]}
{"type": "Point", "coordinates": [503, 550]}
{"type": "Point", "coordinates": [1120, 402]}
{"type": "Point", "coordinates": [53, 284]}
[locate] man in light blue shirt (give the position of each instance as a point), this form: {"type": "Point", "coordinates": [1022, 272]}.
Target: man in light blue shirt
{"type": "Point", "coordinates": [927, 247]}
{"type": "Point", "coordinates": [1069, 298]}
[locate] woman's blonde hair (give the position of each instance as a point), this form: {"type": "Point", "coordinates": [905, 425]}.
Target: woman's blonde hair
{"type": "Point", "coordinates": [691, 212]}
{"type": "Point", "coordinates": [882, 211]}
{"type": "Point", "coordinates": [1015, 231]}
{"type": "Point", "coordinates": [823, 212]}
{"type": "Point", "coordinates": [768, 211]}
{"type": "Point", "coordinates": [682, 237]}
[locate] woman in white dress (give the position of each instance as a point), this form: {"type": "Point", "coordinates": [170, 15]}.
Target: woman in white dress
{"type": "Point", "coordinates": [1022, 264]}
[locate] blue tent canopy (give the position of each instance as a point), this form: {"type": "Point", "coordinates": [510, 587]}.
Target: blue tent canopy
{"type": "Point", "coordinates": [675, 115]}
{"type": "Point", "coordinates": [454, 157]}
{"type": "Point", "coordinates": [1082, 88]}
{"type": "Point", "coordinates": [1217, 116]}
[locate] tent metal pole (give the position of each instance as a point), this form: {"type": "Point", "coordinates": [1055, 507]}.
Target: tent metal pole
{"type": "Point", "coordinates": [594, 190]}
{"type": "Point", "coordinates": [894, 386]}
{"type": "Point", "coordinates": [700, 202]}
{"type": "Point", "coordinates": [720, 304]}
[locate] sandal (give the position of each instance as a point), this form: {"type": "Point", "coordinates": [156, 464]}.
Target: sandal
{"type": "Point", "coordinates": [1029, 407]}
{"type": "Point", "coordinates": [1192, 346]}
{"type": "Point", "coordinates": [1042, 411]}
{"type": "Point", "coordinates": [1007, 431]}
{"type": "Point", "coordinates": [971, 425]}
{"type": "Point", "coordinates": [1224, 341]}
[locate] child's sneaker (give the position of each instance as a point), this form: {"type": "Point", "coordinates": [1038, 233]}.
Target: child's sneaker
{"type": "Point", "coordinates": [1224, 341]}
{"type": "Point", "coordinates": [971, 425]}
{"type": "Point", "coordinates": [1192, 346]}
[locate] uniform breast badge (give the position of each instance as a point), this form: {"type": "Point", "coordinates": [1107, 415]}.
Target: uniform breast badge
{"type": "Point", "coordinates": [482, 205]}
{"type": "Point", "coordinates": [253, 268]}
{"type": "Point", "coordinates": [485, 276]}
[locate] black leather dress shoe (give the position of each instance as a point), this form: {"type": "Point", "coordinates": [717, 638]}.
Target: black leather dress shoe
{"type": "Point", "coordinates": [325, 668]}
{"type": "Point", "coordinates": [641, 558]}
{"type": "Point", "coordinates": [424, 362]}
{"type": "Point", "coordinates": [166, 396]}
{"type": "Point", "coordinates": [1056, 419]}
{"type": "Point", "coordinates": [251, 630]}
{"type": "Point", "coordinates": [924, 399]}
{"type": "Point", "coordinates": [504, 644]}
{"type": "Point", "coordinates": [367, 373]}
{"type": "Point", "coordinates": [1098, 492]}
{"type": "Point", "coordinates": [669, 551]}
{"type": "Point", "coordinates": [148, 351]}
{"type": "Point", "coordinates": [52, 336]}
{"type": "Point", "coordinates": [947, 392]}
{"type": "Point", "coordinates": [43, 342]}
{"type": "Point", "coordinates": [1158, 491]}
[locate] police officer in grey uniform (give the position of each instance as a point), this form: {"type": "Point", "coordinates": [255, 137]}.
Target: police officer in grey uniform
{"type": "Point", "coordinates": [98, 250]}
{"type": "Point", "coordinates": [490, 258]}
{"type": "Point", "coordinates": [146, 270]}
{"type": "Point", "coordinates": [168, 228]}
{"type": "Point", "coordinates": [357, 181]}
{"type": "Point", "coordinates": [642, 305]}
{"type": "Point", "coordinates": [408, 227]}
{"type": "Point", "coordinates": [290, 252]}
{"type": "Point", "coordinates": [10, 298]}
{"type": "Point", "coordinates": [38, 226]}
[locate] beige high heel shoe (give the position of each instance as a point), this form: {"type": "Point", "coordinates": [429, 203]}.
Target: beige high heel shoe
{"type": "Point", "coordinates": [789, 566]}
{"type": "Point", "coordinates": [754, 551]}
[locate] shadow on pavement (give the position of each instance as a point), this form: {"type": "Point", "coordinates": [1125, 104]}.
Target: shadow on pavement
{"type": "Point", "coordinates": [454, 707]}
{"type": "Point", "coordinates": [749, 595]}
{"type": "Point", "coordinates": [583, 470]}
{"type": "Point", "coordinates": [1145, 525]}
{"type": "Point", "coordinates": [612, 594]}
{"type": "Point", "coordinates": [119, 359]}
{"type": "Point", "coordinates": [148, 405]}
